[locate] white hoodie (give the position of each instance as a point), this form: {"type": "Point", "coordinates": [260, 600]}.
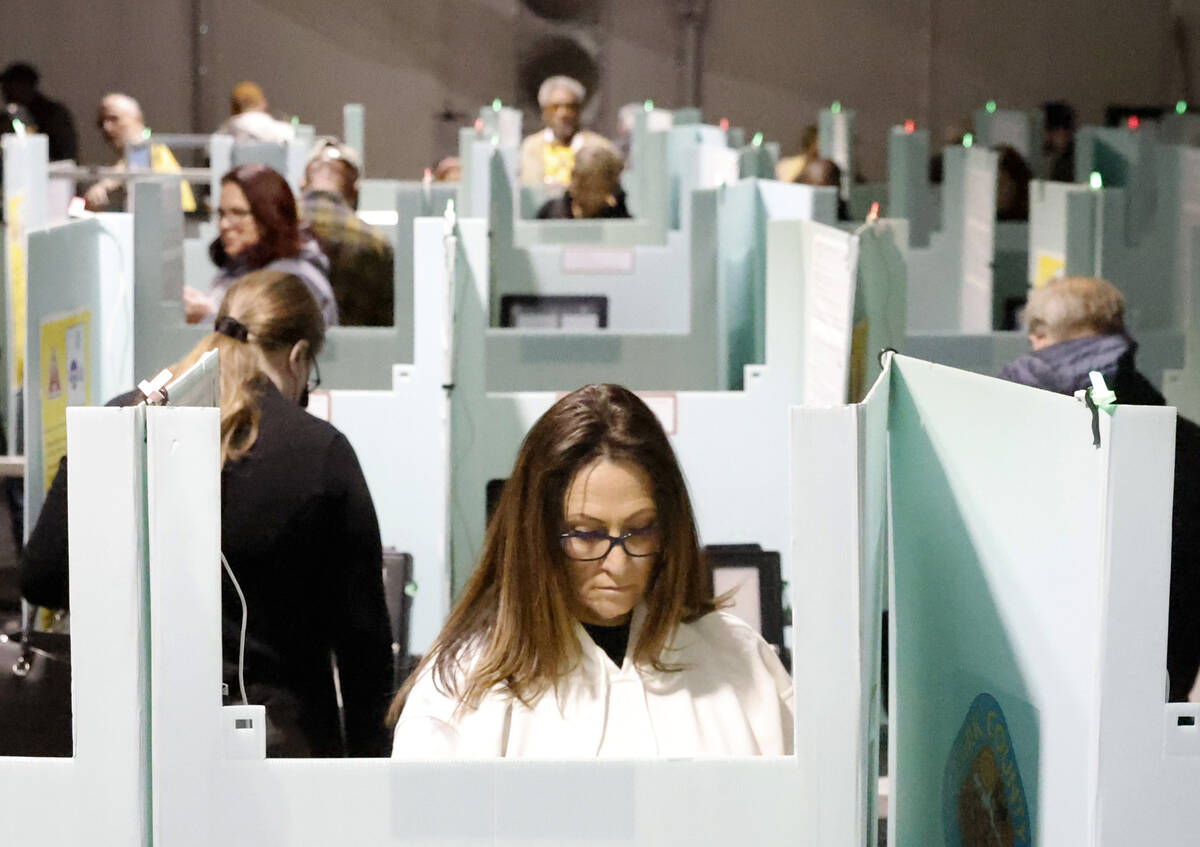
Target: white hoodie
{"type": "Point", "coordinates": [733, 698]}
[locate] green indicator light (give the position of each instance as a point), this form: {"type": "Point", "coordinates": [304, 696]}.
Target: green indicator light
{"type": "Point", "coordinates": [1096, 181]}
{"type": "Point", "coordinates": [648, 105]}
{"type": "Point", "coordinates": [968, 140]}
{"type": "Point", "coordinates": [295, 120]}
{"type": "Point", "coordinates": [836, 108]}
{"type": "Point", "coordinates": [18, 126]}
{"type": "Point", "coordinates": [991, 107]}
{"type": "Point", "coordinates": [758, 139]}
{"type": "Point", "coordinates": [496, 104]}
{"type": "Point", "coordinates": [1181, 107]}
{"type": "Point", "coordinates": [146, 133]}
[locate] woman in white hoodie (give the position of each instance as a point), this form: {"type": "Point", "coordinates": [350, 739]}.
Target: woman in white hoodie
{"type": "Point", "coordinates": [589, 627]}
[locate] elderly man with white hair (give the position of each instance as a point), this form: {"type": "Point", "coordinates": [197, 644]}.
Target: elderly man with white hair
{"type": "Point", "coordinates": [121, 123]}
{"type": "Point", "coordinates": [548, 156]}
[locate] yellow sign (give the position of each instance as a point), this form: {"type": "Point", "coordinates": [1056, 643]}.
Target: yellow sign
{"type": "Point", "coordinates": [66, 381]}
{"type": "Point", "coordinates": [1048, 267]}
{"type": "Point", "coordinates": [858, 361]}
{"type": "Point", "coordinates": [15, 218]}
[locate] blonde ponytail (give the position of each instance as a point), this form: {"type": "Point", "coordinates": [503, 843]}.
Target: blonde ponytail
{"type": "Point", "coordinates": [277, 310]}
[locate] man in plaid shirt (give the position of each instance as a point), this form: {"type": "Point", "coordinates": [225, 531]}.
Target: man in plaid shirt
{"type": "Point", "coordinates": [360, 257]}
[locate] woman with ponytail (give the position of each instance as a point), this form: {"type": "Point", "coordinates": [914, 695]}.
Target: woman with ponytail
{"type": "Point", "coordinates": [297, 526]}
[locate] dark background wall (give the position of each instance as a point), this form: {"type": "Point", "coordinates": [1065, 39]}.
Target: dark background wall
{"type": "Point", "coordinates": [768, 64]}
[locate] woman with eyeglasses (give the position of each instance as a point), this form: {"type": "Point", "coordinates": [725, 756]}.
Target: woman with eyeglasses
{"type": "Point", "coordinates": [589, 627]}
{"type": "Point", "coordinates": [259, 227]}
{"type": "Point", "coordinates": [298, 529]}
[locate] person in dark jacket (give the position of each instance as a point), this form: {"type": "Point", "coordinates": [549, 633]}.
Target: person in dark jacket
{"type": "Point", "coordinates": [361, 259]}
{"type": "Point", "coordinates": [1077, 325]}
{"type": "Point", "coordinates": [298, 529]}
{"type": "Point", "coordinates": [19, 83]}
{"type": "Point", "coordinates": [595, 189]}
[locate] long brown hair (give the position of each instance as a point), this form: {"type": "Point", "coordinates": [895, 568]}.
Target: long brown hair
{"type": "Point", "coordinates": [273, 207]}
{"type": "Point", "coordinates": [516, 610]}
{"type": "Point", "coordinates": [278, 310]}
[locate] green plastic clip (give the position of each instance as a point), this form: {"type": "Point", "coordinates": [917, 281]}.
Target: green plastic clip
{"type": "Point", "coordinates": [1103, 396]}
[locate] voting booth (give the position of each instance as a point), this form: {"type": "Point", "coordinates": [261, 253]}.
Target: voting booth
{"type": "Point", "coordinates": [208, 777]}
{"type": "Point", "coordinates": [101, 794]}
{"type": "Point", "coordinates": [1028, 621]}
{"type": "Point", "coordinates": [950, 261]}
{"type": "Point", "coordinates": [80, 350]}
{"type": "Point", "coordinates": [1138, 225]}
{"type": "Point", "coordinates": [25, 163]}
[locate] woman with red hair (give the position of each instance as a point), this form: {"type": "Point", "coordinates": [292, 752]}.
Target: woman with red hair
{"type": "Point", "coordinates": [259, 228]}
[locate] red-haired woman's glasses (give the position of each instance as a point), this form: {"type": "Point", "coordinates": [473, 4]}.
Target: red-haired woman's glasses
{"type": "Point", "coordinates": [593, 545]}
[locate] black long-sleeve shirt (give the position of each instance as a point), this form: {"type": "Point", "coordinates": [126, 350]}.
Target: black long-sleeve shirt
{"type": "Point", "coordinates": [300, 533]}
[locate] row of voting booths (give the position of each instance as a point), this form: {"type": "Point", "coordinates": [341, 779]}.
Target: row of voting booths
{"type": "Point", "coordinates": [1027, 621]}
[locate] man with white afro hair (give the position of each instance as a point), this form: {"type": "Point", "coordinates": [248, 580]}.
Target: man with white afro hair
{"type": "Point", "coordinates": [548, 156]}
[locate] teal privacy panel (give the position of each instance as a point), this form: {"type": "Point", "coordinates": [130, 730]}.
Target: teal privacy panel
{"type": "Point", "coordinates": [685, 358]}
{"type": "Point", "coordinates": [1181, 128]}
{"type": "Point", "coordinates": [1138, 235]}
{"type": "Point", "coordinates": [1062, 227]}
{"type": "Point", "coordinates": [742, 252]}
{"type": "Point", "coordinates": [1012, 128]}
{"type": "Point", "coordinates": [681, 141]}
{"type": "Point", "coordinates": [835, 141]}
{"type": "Point", "coordinates": [951, 277]}
{"type": "Point", "coordinates": [741, 274]}
{"type": "Point", "coordinates": [354, 132]}
{"type": "Point", "coordinates": [909, 194]}
{"type": "Point", "coordinates": [70, 256]}
{"type": "Point", "coordinates": [998, 582]}
{"type": "Point", "coordinates": [879, 301]}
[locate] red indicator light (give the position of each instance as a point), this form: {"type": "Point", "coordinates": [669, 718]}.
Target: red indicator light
{"type": "Point", "coordinates": [910, 127]}
{"type": "Point", "coordinates": [1134, 122]}
{"type": "Point", "coordinates": [479, 124]}
{"type": "Point", "coordinates": [724, 124]}
{"type": "Point", "coordinates": [874, 213]}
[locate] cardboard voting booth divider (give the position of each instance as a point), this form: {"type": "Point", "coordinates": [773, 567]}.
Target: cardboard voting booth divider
{"type": "Point", "coordinates": [839, 520]}
{"type": "Point", "coordinates": [354, 132]}
{"type": "Point", "coordinates": [395, 432]}
{"type": "Point", "coordinates": [835, 141]}
{"type": "Point", "coordinates": [80, 349]}
{"type": "Point", "coordinates": [1013, 128]}
{"type": "Point", "coordinates": [951, 267]}
{"type": "Point", "coordinates": [998, 703]}
{"type": "Point", "coordinates": [812, 275]}
{"type": "Point", "coordinates": [910, 195]}
{"type": "Point", "coordinates": [1028, 621]}
{"type": "Point", "coordinates": [203, 789]}
{"type": "Point", "coordinates": [101, 794]}
{"type": "Point", "coordinates": [1181, 127]}
{"type": "Point", "coordinates": [25, 189]}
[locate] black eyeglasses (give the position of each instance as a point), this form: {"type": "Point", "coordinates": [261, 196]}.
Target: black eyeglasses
{"type": "Point", "coordinates": [593, 545]}
{"type": "Point", "coordinates": [314, 375]}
